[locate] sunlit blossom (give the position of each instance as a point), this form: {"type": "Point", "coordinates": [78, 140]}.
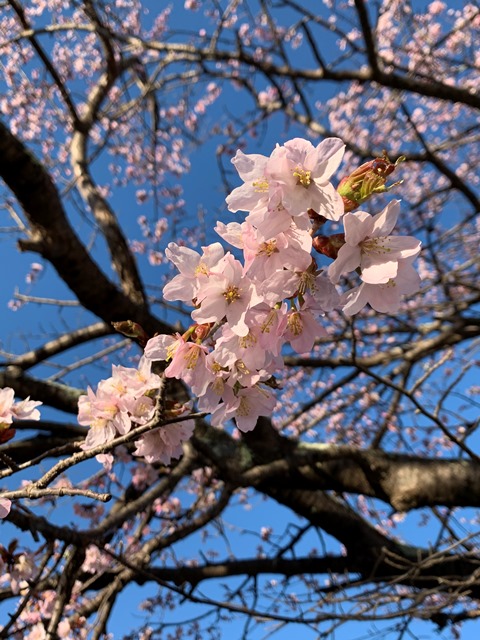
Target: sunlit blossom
{"type": "Point", "coordinates": [370, 247]}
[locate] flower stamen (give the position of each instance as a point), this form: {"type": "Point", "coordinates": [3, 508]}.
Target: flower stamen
{"type": "Point", "coordinates": [231, 294]}
{"type": "Point", "coordinates": [267, 248]}
{"type": "Point", "coordinates": [303, 177]}
{"type": "Point", "coordinates": [260, 186]}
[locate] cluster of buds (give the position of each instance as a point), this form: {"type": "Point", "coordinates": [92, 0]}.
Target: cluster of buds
{"type": "Point", "coordinates": [368, 179]}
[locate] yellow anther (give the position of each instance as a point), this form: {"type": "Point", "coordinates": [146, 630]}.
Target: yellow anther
{"type": "Point", "coordinates": [171, 350]}
{"type": "Point", "coordinates": [192, 358]}
{"type": "Point", "coordinates": [295, 324]}
{"type": "Point", "coordinates": [260, 186]}
{"type": "Point", "coordinates": [247, 341]}
{"type": "Point", "coordinates": [216, 368]}
{"type": "Point", "coordinates": [374, 245]}
{"type": "Point", "coordinates": [231, 294]}
{"type": "Point", "coordinates": [201, 269]}
{"type": "Point", "coordinates": [307, 283]}
{"type": "Point", "coordinates": [267, 248]}
{"type": "Point", "coordinates": [303, 177]}
{"type": "Point", "coordinates": [242, 367]}
{"type": "Point", "coordinates": [243, 408]}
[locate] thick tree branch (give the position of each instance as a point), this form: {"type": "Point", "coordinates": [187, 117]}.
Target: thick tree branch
{"type": "Point", "coordinates": [269, 461]}
{"type": "Point", "coordinates": [52, 237]}
{"type": "Point", "coordinates": [61, 344]}
{"type": "Point", "coordinates": [123, 260]}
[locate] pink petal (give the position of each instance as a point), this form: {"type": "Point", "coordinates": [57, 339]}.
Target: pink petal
{"type": "Point", "coordinates": [348, 259]}
{"type": "Point", "coordinates": [330, 153]}
{"type": "Point", "coordinates": [358, 226]}
{"type": "Point", "coordinates": [376, 272]}
{"type": "Point", "coordinates": [5, 505]}
{"type": "Point", "coordinates": [385, 221]}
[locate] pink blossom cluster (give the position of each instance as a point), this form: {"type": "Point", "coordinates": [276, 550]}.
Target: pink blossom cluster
{"type": "Point", "coordinates": [17, 570]}
{"type": "Point", "coordinates": [9, 409]}
{"type": "Point", "coordinates": [125, 400]}
{"type": "Point", "coordinates": [41, 608]}
{"type": "Point", "coordinates": [246, 311]}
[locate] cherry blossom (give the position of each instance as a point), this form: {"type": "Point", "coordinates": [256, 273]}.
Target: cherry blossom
{"type": "Point", "coordinates": [164, 443]}
{"type": "Point", "coordinates": [246, 312]}
{"type": "Point", "coordinates": [101, 412]}
{"type": "Point", "coordinates": [252, 170]}
{"type": "Point", "coordinates": [383, 297]}
{"type": "Point", "coordinates": [290, 250]}
{"type": "Point", "coordinates": [303, 174]}
{"type": "Point", "coordinates": [322, 296]}
{"type": "Point", "coordinates": [20, 571]}
{"type": "Point", "coordinates": [246, 405]}
{"type": "Point", "coordinates": [273, 218]}
{"type": "Point", "coordinates": [194, 270]}
{"type": "Point", "coordinates": [302, 330]}
{"type": "Point", "coordinates": [369, 246]}
{"type": "Point", "coordinates": [189, 364]}
{"type": "Point", "coordinates": [295, 177]}
{"type": "Point", "coordinates": [163, 347]}
{"type": "Point", "coordinates": [120, 401]}
{"type": "Point", "coordinates": [272, 323]}
{"type": "Point", "coordinates": [228, 294]}
{"type": "Point", "coordinates": [26, 409]}
{"type": "Point", "coordinates": [230, 347]}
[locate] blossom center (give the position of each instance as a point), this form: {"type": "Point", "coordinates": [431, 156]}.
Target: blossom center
{"type": "Point", "coordinates": [267, 248]}
{"type": "Point", "coordinates": [268, 323]}
{"type": "Point", "coordinates": [242, 367]}
{"type": "Point", "coordinates": [99, 423]}
{"type": "Point", "coordinates": [247, 341]}
{"type": "Point", "coordinates": [201, 269]}
{"type": "Point", "coordinates": [303, 177]}
{"type": "Point", "coordinates": [295, 324]}
{"type": "Point", "coordinates": [243, 408]}
{"type": "Point", "coordinates": [231, 294]}
{"type": "Point", "coordinates": [119, 386]}
{"type": "Point", "coordinates": [216, 368]}
{"type": "Point", "coordinates": [260, 186]}
{"type": "Point", "coordinates": [142, 408]}
{"type": "Point", "coordinates": [191, 357]}
{"type": "Point", "coordinates": [374, 245]}
{"type": "Point", "coordinates": [307, 283]}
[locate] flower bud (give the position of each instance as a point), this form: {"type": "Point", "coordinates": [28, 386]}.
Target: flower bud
{"type": "Point", "coordinates": [369, 178]}
{"type": "Point", "coordinates": [201, 331]}
{"type": "Point", "coordinates": [329, 245]}
{"type": "Point", "coordinates": [131, 330]}
{"type": "Point", "coordinates": [6, 434]}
